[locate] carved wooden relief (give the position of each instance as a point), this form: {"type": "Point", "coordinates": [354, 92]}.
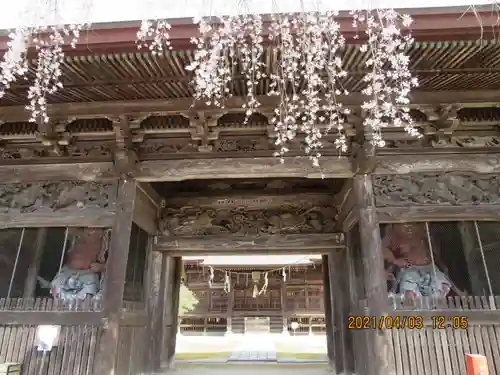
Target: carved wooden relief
{"type": "Point", "coordinates": [421, 189]}
{"type": "Point", "coordinates": [48, 196]}
{"type": "Point", "coordinates": [193, 221]}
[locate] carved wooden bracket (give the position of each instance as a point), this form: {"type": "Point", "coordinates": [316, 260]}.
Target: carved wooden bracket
{"type": "Point", "coordinates": [203, 128]}
{"type": "Point", "coordinates": [125, 155]}
{"type": "Point", "coordinates": [54, 136]}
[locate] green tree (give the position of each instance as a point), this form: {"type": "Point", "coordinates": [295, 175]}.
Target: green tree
{"type": "Point", "coordinates": [187, 300]}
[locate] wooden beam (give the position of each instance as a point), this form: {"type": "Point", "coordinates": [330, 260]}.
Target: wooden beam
{"type": "Point", "coordinates": [146, 211]}
{"type": "Point", "coordinates": [438, 213]}
{"type": "Point", "coordinates": [70, 318]}
{"type": "Point", "coordinates": [82, 110]}
{"type": "Point", "coordinates": [251, 201]}
{"type": "Point", "coordinates": [434, 161]}
{"type": "Point", "coordinates": [289, 243]}
{"type": "Point", "coordinates": [114, 279]}
{"type": "Point", "coordinates": [264, 167]}
{"type": "Point", "coordinates": [92, 217]}
{"type": "Point", "coordinates": [56, 172]}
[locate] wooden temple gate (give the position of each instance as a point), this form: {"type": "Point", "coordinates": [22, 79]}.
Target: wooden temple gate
{"type": "Point", "coordinates": [97, 163]}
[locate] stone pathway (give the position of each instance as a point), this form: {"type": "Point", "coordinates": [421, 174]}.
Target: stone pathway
{"type": "Point", "coordinates": [245, 369]}
{"type": "Point", "coordinates": [254, 348]}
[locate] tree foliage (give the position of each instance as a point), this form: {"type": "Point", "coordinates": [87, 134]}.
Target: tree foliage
{"type": "Point", "coordinates": [187, 300]}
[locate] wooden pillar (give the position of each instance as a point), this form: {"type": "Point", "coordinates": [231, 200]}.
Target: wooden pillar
{"type": "Point", "coordinates": [328, 310]}
{"type": "Point", "coordinates": [156, 309]}
{"type": "Point", "coordinates": [173, 273]}
{"type": "Point", "coordinates": [32, 276]}
{"type": "Point", "coordinates": [229, 314]}
{"type": "Point", "coordinates": [380, 358]}
{"type": "Point", "coordinates": [338, 352]}
{"type": "Point", "coordinates": [114, 278]}
{"type": "Point", "coordinates": [475, 268]}
{"type": "Point", "coordinates": [284, 309]}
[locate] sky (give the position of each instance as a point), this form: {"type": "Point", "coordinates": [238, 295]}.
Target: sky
{"type": "Point", "coordinates": [98, 11]}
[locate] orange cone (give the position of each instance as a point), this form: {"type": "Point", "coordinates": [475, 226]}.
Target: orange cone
{"type": "Point", "coordinates": [476, 364]}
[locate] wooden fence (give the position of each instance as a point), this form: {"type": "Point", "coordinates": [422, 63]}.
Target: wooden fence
{"type": "Point", "coordinates": [75, 349]}
{"type": "Point", "coordinates": [431, 337]}
{"type": "Point", "coordinates": [77, 345]}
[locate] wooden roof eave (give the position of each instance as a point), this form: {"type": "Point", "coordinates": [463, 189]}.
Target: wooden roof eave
{"type": "Point", "coordinates": [445, 23]}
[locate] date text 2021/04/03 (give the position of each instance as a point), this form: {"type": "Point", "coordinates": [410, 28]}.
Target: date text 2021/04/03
{"type": "Point", "coordinates": [409, 322]}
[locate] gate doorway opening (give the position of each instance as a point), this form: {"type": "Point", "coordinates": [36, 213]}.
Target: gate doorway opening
{"type": "Point", "coordinates": [252, 308]}
{"type": "Point", "coordinates": [252, 265]}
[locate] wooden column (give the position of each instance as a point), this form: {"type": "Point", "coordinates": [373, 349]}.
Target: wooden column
{"type": "Point", "coordinates": [284, 311]}
{"type": "Point", "coordinates": [475, 269]}
{"type": "Point", "coordinates": [328, 310]}
{"type": "Point", "coordinates": [114, 278]}
{"type": "Point", "coordinates": [229, 314]}
{"type": "Point", "coordinates": [173, 273]}
{"type": "Point", "coordinates": [380, 358]}
{"type": "Point", "coordinates": [156, 309]}
{"type": "Point", "coordinates": [338, 352]}
{"type": "Point", "coordinates": [32, 276]}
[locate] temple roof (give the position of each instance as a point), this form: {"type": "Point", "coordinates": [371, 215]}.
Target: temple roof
{"type": "Point", "coordinates": [454, 51]}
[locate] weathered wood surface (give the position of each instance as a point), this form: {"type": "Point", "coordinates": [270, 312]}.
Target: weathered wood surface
{"type": "Point", "coordinates": [57, 172]}
{"type": "Point", "coordinates": [50, 317]}
{"type": "Point", "coordinates": [75, 347]}
{"type": "Point", "coordinates": [439, 346]}
{"type": "Point", "coordinates": [437, 196]}
{"type": "Point", "coordinates": [297, 217]}
{"type": "Point", "coordinates": [131, 356]}
{"type": "Point", "coordinates": [378, 355]}
{"type": "Point", "coordinates": [146, 210]}
{"type": "Point", "coordinates": [156, 308]}
{"type": "Point", "coordinates": [438, 213]}
{"type": "Point", "coordinates": [264, 167]}
{"type": "Point", "coordinates": [291, 243]}
{"type": "Point", "coordinates": [437, 162]}
{"type": "Point", "coordinates": [251, 201]}
{"type": "Point", "coordinates": [173, 270]}
{"type": "Point", "coordinates": [52, 204]}
{"type": "Point", "coordinates": [328, 303]}
{"type": "Point", "coordinates": [114, 278]}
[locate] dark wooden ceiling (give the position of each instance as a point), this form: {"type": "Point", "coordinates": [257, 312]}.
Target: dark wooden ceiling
{"type": "Point", "coordinates": [248, 186]}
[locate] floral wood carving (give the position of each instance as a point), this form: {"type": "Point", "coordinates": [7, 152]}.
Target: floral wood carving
{"type": "Point", "coordinates": [436, 189]}
{"type": "Point", "coordinates": [243, 144]}
{"type": "Point", "coordinates": [21, 153]}
{"type": "Point", "coordinates": [190, 221]}
{"type": "Point", "coordinates": [467, 142]}
{"type": "Point", "coordinates": [47, 196]}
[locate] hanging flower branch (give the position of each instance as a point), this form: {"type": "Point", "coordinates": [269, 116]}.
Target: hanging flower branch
{"type": "Point", "coordinates": [389, 80]}
{"type": "Point", "coordinates": [233, 48]}
{"type": "Point", "coordinates": [48, 42]}
{"type": "Point", "coordinates": [308, 80]}
{"type": "Point", "coordinates": [307, 73]}
{"type": "Point", "coordinates": [154, 35]}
